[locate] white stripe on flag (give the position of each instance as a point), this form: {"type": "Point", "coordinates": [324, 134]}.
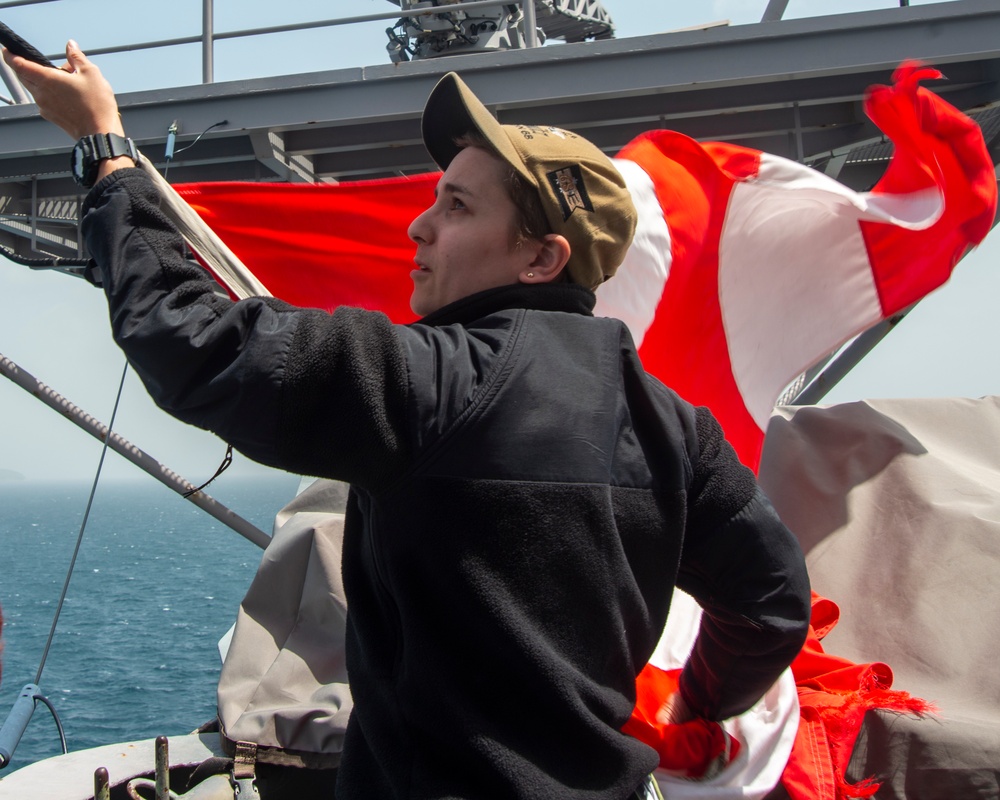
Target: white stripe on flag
{"type": "Point", "coordinates": [795, 280]}
{"type": "Point", "coordinates": [633, 294]}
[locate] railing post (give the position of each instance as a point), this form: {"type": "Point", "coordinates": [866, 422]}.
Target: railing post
{"type": "Point", "coordinates": [18, 95]}
{"type": "Point", "coordinates": [530, 24]}
{"type": "Point", "coordinates": [774, 11]}
{"type": "Point", "coordinates": [207, 42]}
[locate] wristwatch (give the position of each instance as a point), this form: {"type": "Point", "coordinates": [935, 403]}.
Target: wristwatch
{"type": "Point", "coordinates": [90, 151]}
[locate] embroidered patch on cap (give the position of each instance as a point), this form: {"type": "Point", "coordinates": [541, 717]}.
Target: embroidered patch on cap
{"type": "Point", "coordinates": [567, 183]}
{"type": "Point", "coordinates": [544, 131]}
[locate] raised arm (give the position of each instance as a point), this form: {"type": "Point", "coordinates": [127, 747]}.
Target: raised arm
{"type": "Point", "coordinates": [298, 389]}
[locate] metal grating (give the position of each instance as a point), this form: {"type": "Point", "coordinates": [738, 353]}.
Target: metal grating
{"type": "Point", "coordinates": [573, 20]}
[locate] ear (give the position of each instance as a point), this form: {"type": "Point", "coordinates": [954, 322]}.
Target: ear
{"type": "Point", "coordinates": [550, 258]}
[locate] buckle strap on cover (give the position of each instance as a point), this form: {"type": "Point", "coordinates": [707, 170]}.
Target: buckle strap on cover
{"type": "Point", "coordinates": [243, 777]}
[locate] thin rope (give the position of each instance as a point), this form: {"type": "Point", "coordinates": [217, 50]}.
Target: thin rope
{"type": "Point", "coordinates": [83, 527]}
{"type": "Point", "coordinates": [226, 461]}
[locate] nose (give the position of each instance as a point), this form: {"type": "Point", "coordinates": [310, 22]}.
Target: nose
{"type": "Point", "coordinates": [420, 230]}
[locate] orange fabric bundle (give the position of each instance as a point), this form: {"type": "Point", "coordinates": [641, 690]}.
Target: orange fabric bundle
{"type": "Point", "coordinates": [834, 695]}
{"type": "Point", "coordinates": [695, 749]}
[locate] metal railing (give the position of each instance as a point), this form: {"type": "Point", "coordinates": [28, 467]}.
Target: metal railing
{"type": "Point", "coordinates": [209, 36]}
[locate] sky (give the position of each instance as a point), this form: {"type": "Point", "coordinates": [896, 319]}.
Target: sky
{"type": "Point", "coordinates": [55, 327]}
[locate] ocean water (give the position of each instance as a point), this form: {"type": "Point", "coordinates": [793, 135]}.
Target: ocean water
{"type": "Point", "coordinates": [156, 585]}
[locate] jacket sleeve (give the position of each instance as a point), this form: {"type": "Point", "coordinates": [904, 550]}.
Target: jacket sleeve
{"type": "Point", "coordinates": [747, 571]}
{"type": "Point", "coordinates": [298, 389]}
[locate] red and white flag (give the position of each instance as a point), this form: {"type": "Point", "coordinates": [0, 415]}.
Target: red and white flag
{"type": "Point", "coordinates": [772, 265]}
{"type": "Point", "coordinates": [746, 270]}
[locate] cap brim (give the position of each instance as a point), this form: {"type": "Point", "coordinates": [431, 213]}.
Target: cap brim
{"type": "Point", "coordinates": [452, 111]}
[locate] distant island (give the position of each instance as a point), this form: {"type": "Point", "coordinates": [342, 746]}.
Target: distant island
{"type": "Point", "coordinates": [10, 475]}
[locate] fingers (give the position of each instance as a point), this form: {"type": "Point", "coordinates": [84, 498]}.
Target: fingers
{"type": "Point", "coordinates": [76, 61]}
{"type": "Point", "coordinates": [27, 71]}
{"type": "Point", "coordinates": [674, 711]}
{"type": "Point", "coordinates": [21, 66]}
{"type": "Point", "coordinates": [76, 97]}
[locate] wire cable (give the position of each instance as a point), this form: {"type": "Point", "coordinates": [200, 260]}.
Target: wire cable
{"type": "Point", "coordinates": [55, 716]}
{"type": "Point", "coordinates": [210, 127]}
{"type": "Point", "coordinates": [227, 459]}
{"type": "Point", "coordinates": [171, 138]}
{"type": "Point", "coordinates": [83, 527]}
{"type": "Point", "coordinates": [17, 720]}
{"type": "Point", "coordinates": [49, 262]}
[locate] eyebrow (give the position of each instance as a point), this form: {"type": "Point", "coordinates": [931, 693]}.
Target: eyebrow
{"type": "Point", "coordinates": [455, 188]}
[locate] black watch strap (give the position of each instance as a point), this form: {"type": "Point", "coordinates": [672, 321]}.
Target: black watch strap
{"type": "Point", "coordinates": [111, 145]}
{"type": "Point", "coordinates": [91, 150]}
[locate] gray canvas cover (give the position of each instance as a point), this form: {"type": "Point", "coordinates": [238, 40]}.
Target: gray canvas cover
{"type": "Point", "coordinates": [284, 681]}
{"type": "Point", "coordinates": [897, 506]}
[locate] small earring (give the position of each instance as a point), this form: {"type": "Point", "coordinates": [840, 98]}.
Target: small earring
{"type": "Point", "coordinates": [531, 274]}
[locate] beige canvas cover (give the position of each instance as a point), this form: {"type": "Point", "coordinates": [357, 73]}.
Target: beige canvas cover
{"type": "Point", "coordinates": [897, 506]}
{"type": "Point", "coordinates": [284, 682]}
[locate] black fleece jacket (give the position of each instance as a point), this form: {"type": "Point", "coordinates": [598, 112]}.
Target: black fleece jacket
{"type": "Point", "coordinates": [524, 500]}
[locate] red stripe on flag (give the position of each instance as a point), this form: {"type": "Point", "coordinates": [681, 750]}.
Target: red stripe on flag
{"type": "Point", "coordinates": [685, 347]}
{"type": "Point", "coordinates": [936, 145]}
{"type": "Point", "coordinates": [322, 246]}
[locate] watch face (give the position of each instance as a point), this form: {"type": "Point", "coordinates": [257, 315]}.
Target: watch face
{"type": "Point", "coordinates": [77, 160]}
{"type": "Point", "coordinates": [90, 151]}
{"type": "Point", "coordinates": [82, 163]}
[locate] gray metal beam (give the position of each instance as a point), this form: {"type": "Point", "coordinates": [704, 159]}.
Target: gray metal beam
{"type": "Point", "coordinates": [270, 150]}
{"type": "Point", "coordinates": [672, 63]}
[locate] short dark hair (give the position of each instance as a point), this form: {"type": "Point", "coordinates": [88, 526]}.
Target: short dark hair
{"type": "Point", "coordinates": [531, 222]}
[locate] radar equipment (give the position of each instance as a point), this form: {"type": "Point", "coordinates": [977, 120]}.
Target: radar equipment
{"type": "Point", "coordinates": [478, 27]}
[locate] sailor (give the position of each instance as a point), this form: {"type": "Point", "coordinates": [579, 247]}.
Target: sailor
{"type": "Point", "coordinates": [524, 497]}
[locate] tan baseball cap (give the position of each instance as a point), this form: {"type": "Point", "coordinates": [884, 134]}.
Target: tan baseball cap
{"type": "Point", "coordinates": [584, 196]}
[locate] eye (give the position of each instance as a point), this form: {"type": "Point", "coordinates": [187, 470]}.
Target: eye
{"type": "Point", "coordinates": [456, 205]}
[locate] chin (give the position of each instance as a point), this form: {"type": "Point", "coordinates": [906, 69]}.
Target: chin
{"type": "Point", "coordinates": [419, 306]}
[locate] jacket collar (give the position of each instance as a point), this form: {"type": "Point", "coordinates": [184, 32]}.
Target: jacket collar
{"type": "Point", "coordinates": [568, 297]}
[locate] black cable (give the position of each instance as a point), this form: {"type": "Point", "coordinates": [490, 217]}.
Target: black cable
{"type": "Point", "coordinates": [188, 147]}
{"type": "Point", "coordinates": [17, 720]}
{"type": "Point", "coordinates": [55, 716]}
{"type": "Point", "coordinates": [52, 262]}
{"type": "Point", "coordinates": [171, 155]}
{"type": "Point", "coordinates": [226, 461]}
